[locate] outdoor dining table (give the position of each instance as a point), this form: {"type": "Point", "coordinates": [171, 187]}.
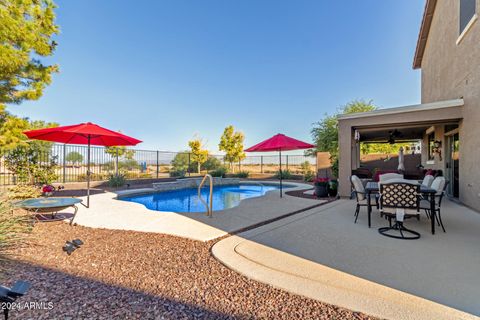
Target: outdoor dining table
{"type": "Point", "coordinates": [372, 187]}
{"type": "Point", "coordinates": [49, 205]}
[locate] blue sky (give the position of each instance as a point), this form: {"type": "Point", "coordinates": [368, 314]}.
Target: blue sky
{"type": "Point", "coordinates": [165, 71]}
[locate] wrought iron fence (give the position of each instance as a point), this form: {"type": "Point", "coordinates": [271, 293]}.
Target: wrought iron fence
{"type": "Point", "coordinates": [71, 164]}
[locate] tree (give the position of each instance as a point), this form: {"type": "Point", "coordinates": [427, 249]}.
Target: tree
{"type": "Point", "coordinates": [231, 143]}
{"type": "Point", "coordinates": [120, 152]}
{"type": "Point", "coordinates": [27, 29]}
{"type": "Point", "coordinates": [325, 132]}
{"type": "Point", "coordinates": [29, 165]}
{"type": "Point", "coordinates": [74, 157]}
{"type": "Point", "coordinates": [198, 154]}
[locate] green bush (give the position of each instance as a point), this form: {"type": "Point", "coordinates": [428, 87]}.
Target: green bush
{"type": "Point", "coordinates": [286, 174]}
{"type": "Point", "coordinates": [212, 163]}
{"type": "Point", "coordinates": [309, 176]}
{"type": "Point", "coordinates": [219, 172]}
{"type": "Point", "coordinates": [29, 165]}
{"type": "Point", "coordinates": [116, 180]}
{"type": "Point", "coordinates": [177, 173]}
{"type": "Point", "coordinates": [241, 174]}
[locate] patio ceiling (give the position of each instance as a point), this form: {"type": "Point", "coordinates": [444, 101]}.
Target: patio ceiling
{"type": "Point", "coordinates": [399, 132]}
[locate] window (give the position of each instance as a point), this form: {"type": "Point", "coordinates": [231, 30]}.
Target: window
{"type": "Point", "coordinates": [467, 12]}
{"type": "Point", "coordinates": [431, 146]}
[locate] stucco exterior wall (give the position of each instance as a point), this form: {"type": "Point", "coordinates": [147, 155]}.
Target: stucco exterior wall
{"type": "Point", "coordinates": [452, 71]}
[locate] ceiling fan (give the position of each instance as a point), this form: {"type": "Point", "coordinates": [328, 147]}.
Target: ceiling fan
{"type": "Point", "coordinates": [392, 135]}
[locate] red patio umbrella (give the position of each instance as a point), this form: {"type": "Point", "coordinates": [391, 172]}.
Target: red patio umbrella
{"type": "Point", "coordinates": [83, 133]}
{"type": "Point", "coordinates": [280, 142]}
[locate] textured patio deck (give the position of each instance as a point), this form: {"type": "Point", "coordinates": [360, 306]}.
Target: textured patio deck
{"type": "Point", "coordinates": [322, 254]}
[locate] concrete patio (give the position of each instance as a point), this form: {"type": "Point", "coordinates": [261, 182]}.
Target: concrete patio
{"type": "Point", "coordinates": [322, 254]}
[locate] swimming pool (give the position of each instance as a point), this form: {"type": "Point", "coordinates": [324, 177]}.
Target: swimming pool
{"type": "Point", "coordinates": [186, 200]}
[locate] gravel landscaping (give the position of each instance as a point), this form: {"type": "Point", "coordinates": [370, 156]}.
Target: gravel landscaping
{"type": "Point", "coordinates": [134, 275]}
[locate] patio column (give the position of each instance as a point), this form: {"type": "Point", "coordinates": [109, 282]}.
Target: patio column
{"type": "Point", "coordinates": [346, 146]}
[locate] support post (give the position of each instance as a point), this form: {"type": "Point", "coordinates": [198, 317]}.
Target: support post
{"type": "Point", "coordinates": [158, 164]}
{"type": "Point", "coordinates": [88, 173]}
{"type": "Point", "coordinates": [64, 162]}
{"type": "Point", "coordinates": [261, 164]}
{"type": "Point", "coordinates": [287, 162]}
{"type": "Point", "coordinates": [280, 172]}
{"type": "Point", "coordinates": [188, 168]}
{"type": "Point", "coordinates": [116, 161]}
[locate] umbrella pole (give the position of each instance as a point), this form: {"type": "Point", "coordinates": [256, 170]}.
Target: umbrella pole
{"type": "Point", "coordinates": [88, 173]}
{"type": "Point", "coordinates": [281, 175]}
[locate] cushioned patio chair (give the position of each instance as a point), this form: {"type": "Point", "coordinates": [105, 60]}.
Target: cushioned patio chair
{"type": "Point", "coordinates": [360, 195]}
{"type": "Point", "coordinates": [427, 180]}
{"type": "Point", "coordinates": [404, 198]}
{"type": "Point", "coordinates": [389, 176]}
{"type": "Point", "coordinates": [440, 185]}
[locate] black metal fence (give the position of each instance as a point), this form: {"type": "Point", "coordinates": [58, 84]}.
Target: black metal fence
{"type": "Point", "coordinates": [71, 164]}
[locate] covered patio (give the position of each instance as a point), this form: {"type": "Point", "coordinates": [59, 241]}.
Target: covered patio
{"type": "Point", "coordinates": [422, 124]}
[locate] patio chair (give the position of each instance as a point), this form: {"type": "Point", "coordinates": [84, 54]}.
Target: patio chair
{"type": "Point", "coordinates": [427, 180]}
{"type": "Point", "coordinates": [360, 195]}
{"type": "Point", "coordinates": [389, 176]}
{"type": "Point", "coordinates": [439, 184]}
{"type": "Point", "coordinates": [10, 295]}
{"type": "Point", "coordinates": [404, 198]}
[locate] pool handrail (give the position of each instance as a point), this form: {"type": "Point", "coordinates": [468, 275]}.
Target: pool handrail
{"type": "Point", "coordinates": [210, 198]}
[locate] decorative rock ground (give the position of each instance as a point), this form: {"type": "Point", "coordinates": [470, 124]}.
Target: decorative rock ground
{"type": "Point", "coordinates": [134, 275]}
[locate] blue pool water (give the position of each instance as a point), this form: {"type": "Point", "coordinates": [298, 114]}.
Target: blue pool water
{"type": "Point", "coordinates": [186, 200]}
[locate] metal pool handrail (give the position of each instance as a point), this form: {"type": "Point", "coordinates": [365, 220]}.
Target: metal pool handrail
{"type": "Point", "coordinates": [210, 202]}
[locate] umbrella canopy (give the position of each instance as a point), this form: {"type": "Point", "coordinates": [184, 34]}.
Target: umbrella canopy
{"type": "Point", "coordinates": [280, 142]}
{"type": "Point", "coordinates": [83, 133]}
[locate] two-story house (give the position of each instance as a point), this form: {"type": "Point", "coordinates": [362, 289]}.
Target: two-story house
{"type": "Point", "coordinates": [447, 121]}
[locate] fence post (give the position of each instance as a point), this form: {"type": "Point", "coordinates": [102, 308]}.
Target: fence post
{"type": "Point", "coordinates": [188, 168]}
{"type": "Point", "coordinates": [116, 162]}
{"type": "Point", "coordinates": [158, 163]}
{"type": "Point", "coordinates": [287, 162]}
{"type": "Point", "coordinates": [261, 164]}
{"type": "Point", "coordinates": [64, 161]}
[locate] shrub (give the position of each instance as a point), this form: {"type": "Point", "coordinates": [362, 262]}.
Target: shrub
{"type": "Point", "coordinates": [309, 176]}
{"type": "Point", "coordinates": [219, 172]}
{"type": "Point", "coordinates": [14, 225]}
{"type": "Point", "coordinates": [286, 174]}
{"type": "Point", "coordinates": [177, 173]}
{"type": "Point", "coordinates": [116, 180]}
{"type": "Point", "coordinates": [30, 165]}
{"type": "Point", "coordinates": [212, 163]}
{"type": "Point", "coordinates": [241, 174]}
{"type": "Point", "coordinates": [23, 191]}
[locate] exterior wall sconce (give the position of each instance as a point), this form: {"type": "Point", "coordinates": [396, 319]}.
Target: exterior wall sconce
{"type": "Point", "coordinates": [437, 148]}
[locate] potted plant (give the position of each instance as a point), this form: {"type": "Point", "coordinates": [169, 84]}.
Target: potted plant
{"type": "Point", "coordinates": [333, 188]}
{"type": "Point", "coordinates": [321, 187]}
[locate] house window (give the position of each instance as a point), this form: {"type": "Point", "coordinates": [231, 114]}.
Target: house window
{"type": "Point", "coordinates": [431, 146]}
{"type": "Point", "coordinates": [467, 12]}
